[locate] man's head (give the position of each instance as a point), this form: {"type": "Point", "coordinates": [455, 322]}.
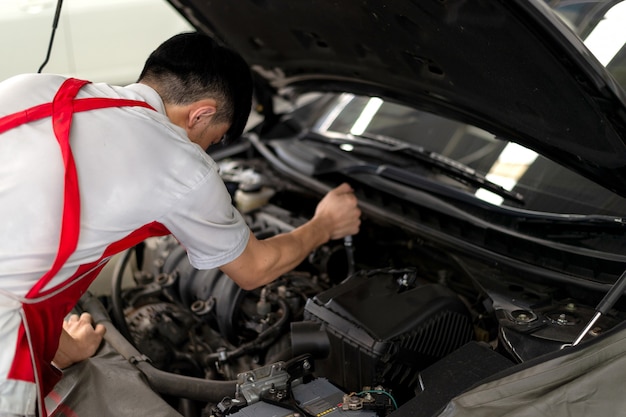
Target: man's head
{"type": "Point", "coordinates": [211, 82]}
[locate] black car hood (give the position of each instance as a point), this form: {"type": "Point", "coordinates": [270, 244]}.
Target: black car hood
{"type": "Point", "coordinates": [508, 66]}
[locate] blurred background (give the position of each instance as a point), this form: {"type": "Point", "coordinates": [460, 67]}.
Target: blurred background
{"type": "Point", "coordinates": [98, 40]}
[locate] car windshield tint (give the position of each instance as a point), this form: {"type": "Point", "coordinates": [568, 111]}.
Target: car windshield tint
{"type": "Point", "coordinates": [544, 185]}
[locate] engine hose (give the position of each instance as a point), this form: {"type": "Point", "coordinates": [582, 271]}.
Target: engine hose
{"type": "Point", "coordinates": [260, 342]}
{"type": "Point", "coordinates": [165, 383]}
{"type": "Point", "coordinates": [117, 304]}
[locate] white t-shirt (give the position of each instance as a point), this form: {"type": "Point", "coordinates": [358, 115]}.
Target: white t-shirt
{"type": "Point", "coordinates": [134, 167]}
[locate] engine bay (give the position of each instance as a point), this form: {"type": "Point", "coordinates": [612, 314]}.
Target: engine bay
{"type": "Point", "coordinates": [349, 331]}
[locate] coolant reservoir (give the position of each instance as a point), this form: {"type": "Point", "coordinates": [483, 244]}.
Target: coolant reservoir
{"type": "Point", "coordinates": [246, 201]}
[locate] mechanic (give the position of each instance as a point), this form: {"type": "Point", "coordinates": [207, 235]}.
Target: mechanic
{"type": "Point", "coordinates": [137, 167]}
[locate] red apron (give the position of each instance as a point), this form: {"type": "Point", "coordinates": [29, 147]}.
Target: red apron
{"type": "Point", "coordinates": [43, 311]}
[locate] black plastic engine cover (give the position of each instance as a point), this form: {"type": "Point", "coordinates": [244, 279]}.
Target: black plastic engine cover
{"type": "Point", "coordinates": [384, 328]}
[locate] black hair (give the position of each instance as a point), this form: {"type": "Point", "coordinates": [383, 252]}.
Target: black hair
{"type": "Point", "coordinates": [192, 66]}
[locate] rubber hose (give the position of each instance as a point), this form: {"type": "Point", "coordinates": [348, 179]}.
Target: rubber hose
{"type": "Point", "coordinates": [117, 304]}
{"type": "Point", "coordinates": [162, 382]}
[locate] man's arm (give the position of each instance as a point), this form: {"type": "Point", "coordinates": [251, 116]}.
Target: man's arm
{"type": "Point", "coordinates": [336, 216]}
{"type": "Point", "coordinates": [79, 340]}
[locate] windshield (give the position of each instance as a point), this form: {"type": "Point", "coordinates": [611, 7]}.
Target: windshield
{"type": "Point", "coordinates": [544, 185]}
{"type": "Point", "coordinates": [601, 24]}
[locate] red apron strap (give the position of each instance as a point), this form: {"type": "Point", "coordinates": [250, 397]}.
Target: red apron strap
{"type": "Point", "coordinates": [34, 113]}
{"type": "Point", "coordinates": [62, 111]}
{"type": "Point", "coordinates": [82, 104]}
{"type": "Point", "coordinates": [63, 107]}
{"type": "Point", "coordinates": [93, 103]}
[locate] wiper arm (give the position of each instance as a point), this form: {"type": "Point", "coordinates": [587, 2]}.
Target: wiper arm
{"type": "Point", "coordinates": [450, 167]}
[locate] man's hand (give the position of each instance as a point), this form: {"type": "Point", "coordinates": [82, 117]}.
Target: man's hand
{"type": "Point", "coordinates": [262, 261]}
{"type": "Point", "coordinates": [339, 212]}
{"type": "Point", "coordinates": [79, 340]}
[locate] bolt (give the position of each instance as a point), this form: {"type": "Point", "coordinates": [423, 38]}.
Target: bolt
{"type": "Point", "coordinates": [595, 331]}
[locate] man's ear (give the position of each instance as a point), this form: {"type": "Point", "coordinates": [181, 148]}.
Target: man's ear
{"type": "Point", "coordinates": [199, 113]}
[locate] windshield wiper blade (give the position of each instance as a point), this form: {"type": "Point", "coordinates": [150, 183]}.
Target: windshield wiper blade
{"type": "Point", "coordinates": [448, 166]}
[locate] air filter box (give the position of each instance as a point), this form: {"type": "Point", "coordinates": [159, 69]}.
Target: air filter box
{"type": "Point", "coordinates": [384, 328]}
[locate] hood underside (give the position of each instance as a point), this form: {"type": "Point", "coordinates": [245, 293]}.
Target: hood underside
{"type": "Point", "coordinates": [510, 66]}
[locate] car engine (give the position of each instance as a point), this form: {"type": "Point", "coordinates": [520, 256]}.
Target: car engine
{"type": "Point", "coordinates": [350, 330]}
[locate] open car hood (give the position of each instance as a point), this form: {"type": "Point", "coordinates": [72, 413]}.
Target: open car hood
{"type": "Point", "coordinates": [511, 67]}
